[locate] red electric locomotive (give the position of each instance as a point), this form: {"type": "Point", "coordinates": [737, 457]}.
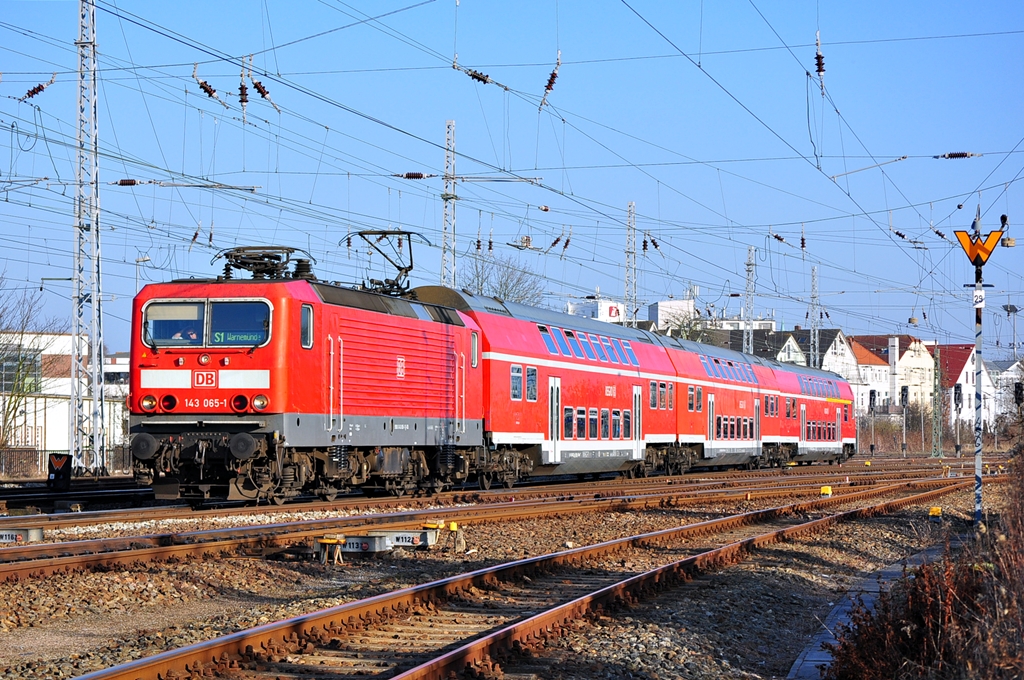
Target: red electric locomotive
{"type": "Point", "coordinates": [281, 385]}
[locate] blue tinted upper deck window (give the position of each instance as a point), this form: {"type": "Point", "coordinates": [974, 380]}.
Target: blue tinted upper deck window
{"type": "Point", "coordinates": [608, 348]}
{"type": "Point", "coordinates": [574, 344]}
{"type": "Point", "coordinates": [716, 368]}
{"type": "Point", "coordinates": [597, 347]}
{"type": "Point", "coordinates": [704, 363]}
{"type": "Point", "coordinates": [750, 373]}
{"type": "Point", "coordinates": [548, 342]}
{"type": "Point", "coordinates": [620, 351]}
{"type": "Point", "coordinates": [586, 346]}
{"type": "Point", "coordinates": [560, 339]}
{"type": "Point", "coordinates": [629, 351]}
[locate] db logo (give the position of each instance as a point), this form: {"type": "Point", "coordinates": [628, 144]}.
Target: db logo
{"type": "Point", "coordinates": [204, 378]}
{"type": "Point", "coordinates": [613, 311]}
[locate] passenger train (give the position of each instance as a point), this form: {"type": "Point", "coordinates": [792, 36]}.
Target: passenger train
{"type": "Point", "coordinates": [280, 385]}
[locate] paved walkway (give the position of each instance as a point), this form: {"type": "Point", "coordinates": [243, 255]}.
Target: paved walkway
{"type": "Point", "coordinates": [807, 664]}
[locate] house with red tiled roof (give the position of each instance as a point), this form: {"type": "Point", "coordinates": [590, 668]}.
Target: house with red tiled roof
{"type": "Point", "coordinates": [957, 367]}
{"type": "Point", "coordinates": [910, 365]}
{"type": "Point", "coordinates": [872, 374]}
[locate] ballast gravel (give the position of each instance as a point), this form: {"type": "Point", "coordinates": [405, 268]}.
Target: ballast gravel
{"type": "Point", "coordinates": [749, 620]}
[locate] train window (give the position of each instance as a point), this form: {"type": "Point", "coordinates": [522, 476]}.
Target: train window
{"type": "Point", "coordinates": [567, 418]}
{"type": "Point", "coordinates": [592, 424]}
{"type": "Point", "coordinates": [627, 425]}
{"type": "Point", "coordinates": [671, 396]}
{"type": "Point", "coordinates": [767, 408]}
{"type": "Point", "coordinates": [846, 413]}
{"type": "Point", "coordinates": [170, 323]}
{"type": "Point", "coordinates": [560, 339]}
{"type": "Point", "coordinates": [629, 352]}
{"type": "Point", "coordinates": [597, 348]}
{"type": "Point", "coordinates": [581, 423]}
{"type": "Point", "coordinates": [611, 350]}
{"type": "Point", "coordinates": [716, 368]}
{"type": "Point", "coordinates": [531, 383]}
{"type": "Point", "coordinates": [746, 426]}
{"type": "Point", "coordinates": [618, 350]}
{"type": "Point", "coordinates": [475, 349]}
{"type": "Point", "coordinates": [587, 349]}
{"type": "Point", "coordinates": [661, 395]}
{"type": "Point", "coordinates": [753, 376]}
{"type": "Point", "coordinates": [548, 341]}
{"type": "Point", "coordinates": [604, 423]}
{"type": "Point", "coordinates": [689, 398]}
{"type": "Point", "coordinates": [775, 405]}
{"type": "Point", "coordinates": [789, 407]}
{"type": "Point", "coordinates": [577, 352]}
{"type": "Point", "coordinates": [306, 326]}
{"type": "Point", "coordinates": [718, 427]}
{"type": "Point", "coordinates": [239, 323]}
{"type": "Point", "coordinates": [616, 424]}
{"type": "Point", "coordinates": [654, 394]}
{"type": "Point", "coordinates": [704, 363]}
{"type": "Point", "coordinates": [700, 398]}
{"type": "Point", "coordinates": [732, 427]}
{"type": "Point", "coordinates": [516, 388]}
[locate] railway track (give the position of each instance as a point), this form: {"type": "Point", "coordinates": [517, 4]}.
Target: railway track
{"type": "Point", "coordinates": [839, 477]}
{"type": "Point", "coordinates": [486, 618]}
{"type": "Point", "coordinates": [41, 559]}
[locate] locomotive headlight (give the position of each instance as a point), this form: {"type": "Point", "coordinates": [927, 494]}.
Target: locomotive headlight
{"type": "Point", "coordinates": [204, 359]}
{"type": "Point", "coordinates": [260, 401]}
{"type": "Point", "coordinates": [148, 402]}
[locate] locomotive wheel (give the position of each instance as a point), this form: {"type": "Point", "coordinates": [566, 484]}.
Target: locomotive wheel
{"type": "Point", "coordinates": [484, 480]}
{"type": "Point", "coordinates": [509, 482]}
{"type": "Point", "coordinates": [329, 495]}
{"type": "Point", "coordinates": [278, 500]}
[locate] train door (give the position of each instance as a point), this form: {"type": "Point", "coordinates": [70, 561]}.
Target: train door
{"type": "Point", "coordinates": [756, 434]}
{"type": "Point", "coordinates": [638, 426]}
{"type": "Point", "coordinates": [839, 430]}
{"type": "Point", "coordinates": [334, 354]}
{"type": "Point", "coordinates": [709, 451]}
{"type": "Point", "coordinates": [554, 454]}
{"type": "Point", "coordinates": [803, 426]}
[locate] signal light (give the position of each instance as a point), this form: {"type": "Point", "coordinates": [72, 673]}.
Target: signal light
{"type": "Point", "coordinates": [168, 402]}
{"type": "Point", "coordinates": [1018, 393]}
{"type": "Point", "coordinates": [204, 359]}
{"type": "Point", "coordinates": [958, 395]}
{"type": "Point", "coordinates": [260, 402]}
{"type": "Point", "coordinates": [148, 402]}
{"type": "Point", "coordinates": [239, 402]}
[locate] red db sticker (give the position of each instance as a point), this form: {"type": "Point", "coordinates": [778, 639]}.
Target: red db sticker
{"type": "Point", "coordinates": [204, 378]}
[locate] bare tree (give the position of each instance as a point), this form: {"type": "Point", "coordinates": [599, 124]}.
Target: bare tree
{"type": "Point", "coordinates": [25, 366]}
{"type": "Point", "coordinates": [503, 277]}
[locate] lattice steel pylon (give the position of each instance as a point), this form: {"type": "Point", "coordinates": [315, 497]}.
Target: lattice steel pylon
{"type": "Point", "coordinates": [630, 319]}
{"type": "Point", "coordinates": [87, 433]}
{"type": "Point", "coordinates": [815, 320]}
{"type": "Point", "coordinates": [449, 198]}
{"type": "Point", "coordinates": [748, 304]}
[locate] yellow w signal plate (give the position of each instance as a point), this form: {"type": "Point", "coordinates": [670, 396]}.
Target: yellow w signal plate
{"type": "Point", "coordinates": [978, 251]}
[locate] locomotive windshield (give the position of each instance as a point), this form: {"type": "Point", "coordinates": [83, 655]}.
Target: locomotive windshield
{"type": "Point", "coordinates": [237, 323]}
{"type": "Point", "coordinates": [174, 323]}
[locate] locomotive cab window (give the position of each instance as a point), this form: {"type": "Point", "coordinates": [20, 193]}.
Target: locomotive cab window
{"type": "Point", "coordinates": [307, 326]}
{"type": "Point", "coordinates": [170, 324]}
{"type": "Point", "coordinates": [245, 323]}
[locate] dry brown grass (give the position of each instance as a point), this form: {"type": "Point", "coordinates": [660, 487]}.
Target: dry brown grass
{"type": "Point", "coordinates": [961, 617]}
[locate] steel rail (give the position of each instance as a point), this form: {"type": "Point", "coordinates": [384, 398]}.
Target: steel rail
{"type": "Point", "coordinates": [43, 559]}
{"type": "Point", "coordinates": [223, 655]}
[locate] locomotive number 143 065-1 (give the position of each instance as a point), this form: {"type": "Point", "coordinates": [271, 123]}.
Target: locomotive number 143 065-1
{"type": "Point", "coordinates": [205, 403]}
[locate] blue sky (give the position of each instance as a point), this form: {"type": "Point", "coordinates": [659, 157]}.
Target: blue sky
{"type": "Point", "coordinates": [708, 116]}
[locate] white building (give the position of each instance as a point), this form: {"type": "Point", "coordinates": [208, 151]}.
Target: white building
{"type": "Point", "coordinates": [957, 367]}
{"type": "Point", "coordinates": [593, 307]}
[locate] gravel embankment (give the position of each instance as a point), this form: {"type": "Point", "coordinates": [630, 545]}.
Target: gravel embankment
{"type": "Point", "coordinates": [754, 616]}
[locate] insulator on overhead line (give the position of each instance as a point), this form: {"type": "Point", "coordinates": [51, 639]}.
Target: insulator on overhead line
{"type": "Point", "coordinates": [924, 314]}
{"type": "Point", "coordinates": [127, 182]}
{"type": "Point", "coordinates": [654, 242]}
{"type": "Point", "coordinates": [803, 243]}
{"type": "Point", "coordinates": [543, 208]}
{"type": "Point", "coordinates": [264, 92]}
{"type": "Point", "coordinates": [555, 242]}
{"type": "Point", "coordinates": [38, 88]}
{"type": "Point", "coordinates": [819, 61]}
{"type": "Point", "coordinates": [566, 244]}
{"type": "Point", "coordinates": [243, 93]}
{"type": "Point", "coordinates": [900, 234]}
{"type": "Point", "coordinates": [778, 238]}
{"type": "Point", "coordinates": [399, 244]}
{"type": "Point", "coordinates": [477, 76]}
{"type": "Point", "coordinates": [940, 234]}
{"type": "Point", "coordinates": [644, 245]}
{"type": "Point", "coordinates": [827, 316]}
{"type": "Point", "coordinates": [958, 154]}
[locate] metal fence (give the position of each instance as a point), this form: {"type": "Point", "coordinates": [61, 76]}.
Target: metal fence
{"type": "Point", "coordinates": [32, 464]}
